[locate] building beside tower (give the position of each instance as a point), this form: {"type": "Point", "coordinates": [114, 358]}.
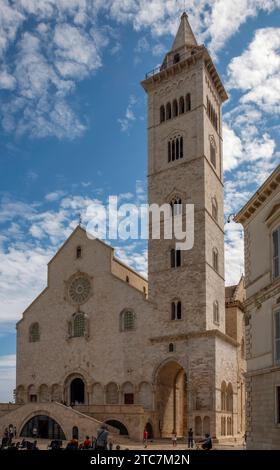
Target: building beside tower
{"type": "Point", "coordinates": [167, 354]}
{"type": "Point", "coordinates": [260, 218]}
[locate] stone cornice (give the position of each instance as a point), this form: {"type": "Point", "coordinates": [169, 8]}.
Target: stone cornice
{"type": "Point", "coordinates": [162, 74]}
{"type": "Point", "coordinates": [235, 303]}
{"type": "Point", "coordinates": [263, 294]}
{"type": "Point", "coordinates": [266, 370]}
{"type": "Point", "coordinates": [271, 185]}
{"type": "Point", "coordinates": [194, 334]}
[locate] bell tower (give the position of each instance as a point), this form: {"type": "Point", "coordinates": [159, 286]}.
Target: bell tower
{"type": "Point", "coordinates": [185, 95]}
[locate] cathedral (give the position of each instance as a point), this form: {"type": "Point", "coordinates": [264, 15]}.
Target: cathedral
{"type": "Point", "coordinates": [101, 343]}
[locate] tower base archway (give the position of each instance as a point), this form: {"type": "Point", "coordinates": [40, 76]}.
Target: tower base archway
{"type": "Point", "coordinates": [171, 399]}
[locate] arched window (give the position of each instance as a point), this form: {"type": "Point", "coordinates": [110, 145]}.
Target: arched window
{"type": "Point", "coordinates": [223, 426]}
{"type": "Point", "coordinates": [176, 205]}
{"type": "Point", "coordinates": [176, 310]}
{"type": "Point", "coordinates": [175, 258]}
{"type": "Point", "coordinates": [213, 154]}
{"type": "Point", "coordinates": [181, 105]}
{"type": "Point", "coordinates": [175, 108]}
{"type": "Point", "coordinates": [188, 102]}
{"type": "Point", "coordinates": [215, 259]}
{"type": "Point", "coordinates": [127, 320]}
{"type": "Point", "coordinates": [216, 316]}
{"type": "Point", "coordinates": [75, 432]}
{"type": "Point", "coordinates": [127, 279]}
{"type": "Point", "coordinates": [128, 393]}
{"type": "Point", "coordinates": [162, 114]}
{"type": "Point", "coordinates": [223, 396]}
{"type": "Point", "coordinates": [176, 58]}
{"type": "Point", "coordinates": [175, 148]}
{"type": "Point", "coordinates": [229, 426]}
{"type": "Point", "coordinates": [34, 333]}
{"type": "Point", "coordinates": [171, 347]}
{"type": "Point", "coordinates": [214, 209]}
{"type": "Point", "coordinates": [229, 398]}
{"type": "Point", "coordinates": [168, 111]}
{"type": "Point", "coordinates": [181, 147]}
{"type": "Point", "coordinates": [78, 252]}
{"type": "Point", "coordinates": [79, 325]}
{"type": "Point", "coordinates": [212, 114]}
{"type": "Point", "coordinates": [112, 394]}
{"type": "Point", "coordinates": [169, 151]}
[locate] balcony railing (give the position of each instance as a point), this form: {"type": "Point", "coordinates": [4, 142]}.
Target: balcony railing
{"type": "Point", "coordinates": [166, 64]}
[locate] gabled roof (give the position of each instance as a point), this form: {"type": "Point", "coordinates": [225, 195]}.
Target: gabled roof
{"type": "Point", "coordinates": [235, 295]}
{"type": "Point", "coordinates": [270, 186]}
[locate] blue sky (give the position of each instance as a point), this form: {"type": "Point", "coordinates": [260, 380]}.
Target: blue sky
{"type": "Point", "coordinates": [73, 122]}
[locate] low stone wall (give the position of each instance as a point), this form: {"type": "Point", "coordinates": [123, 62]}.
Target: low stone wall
{"type": "Point", "coordinates": [133, 417]}
{"type": "Point", "coordinates": [7, 407]}
{"type": "Point", "coordinates": [65, 416]}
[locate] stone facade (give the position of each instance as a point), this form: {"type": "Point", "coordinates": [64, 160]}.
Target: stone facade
{"type": "Point", "coordinates": [164, 354]}
{"type": "Point", "coordinates": [261, 219]}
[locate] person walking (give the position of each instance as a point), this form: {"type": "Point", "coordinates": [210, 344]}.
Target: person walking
{"type": "Point", "coordinates": [145, 438]}
{"type": "Point", "coordinates": [190, 438]}
{"type": "Point", "coordinates": [174, 439]}
{"type": "Point", "coordinates": [102, 438]}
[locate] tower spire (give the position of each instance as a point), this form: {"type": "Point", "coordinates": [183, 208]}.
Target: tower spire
{"type": "Point", "coordinates": [185, 35]}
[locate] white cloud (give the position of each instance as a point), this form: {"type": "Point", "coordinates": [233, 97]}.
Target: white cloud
{"type": "Point", "coordinates": [7, 377]}
{"type": "Point", "coordinates": [7, 81]}
{"type": "Point", "coordinates": [75, 51]}
{"type": "Point", "coordinates": [45, 64]}
{"type": "Point", "coordinates": [65, 42]}
{"type": "Point", "coordinates": [10, 21]}
{"type": "Point", "coordinates": [212, 20]}
{"type": "Point", "coordinates": [245, 145]}
{"type": "Point", "coordinates": [129, 117]}
{"type": "Point", "coordinates": [54, 196]}
{"type": "Point", "coordinates": [234, 253]}
{"type": "Point", "coordinates": [256, 72]}
{"type": "Point", "coordinates": [135, 256]}
{"type": "Point", "coordinates": [232, 148]}
{"type": "Point", "coordinates": [8, 361]}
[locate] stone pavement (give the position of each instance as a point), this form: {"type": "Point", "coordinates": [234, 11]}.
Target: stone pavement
{"type": "Point", "coordinates": [126, 443]}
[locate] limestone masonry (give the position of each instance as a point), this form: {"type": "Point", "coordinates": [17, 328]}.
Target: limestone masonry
{"type": "Point", "coordinates": [167, 354]}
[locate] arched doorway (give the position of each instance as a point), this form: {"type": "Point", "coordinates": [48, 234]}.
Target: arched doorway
{"type": "Point", "coordinates": [171, 399]}
{"type": "Point", "coordinates": [149, 429]}
{"type": "Point", "coordinates": [45, 427]}
{"type": "Point", "coordinates": [118, 425]}
{"type": "Point", "coordinates": [77, 391]}
{"type": "Point", "coordinates": [75, 432]}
